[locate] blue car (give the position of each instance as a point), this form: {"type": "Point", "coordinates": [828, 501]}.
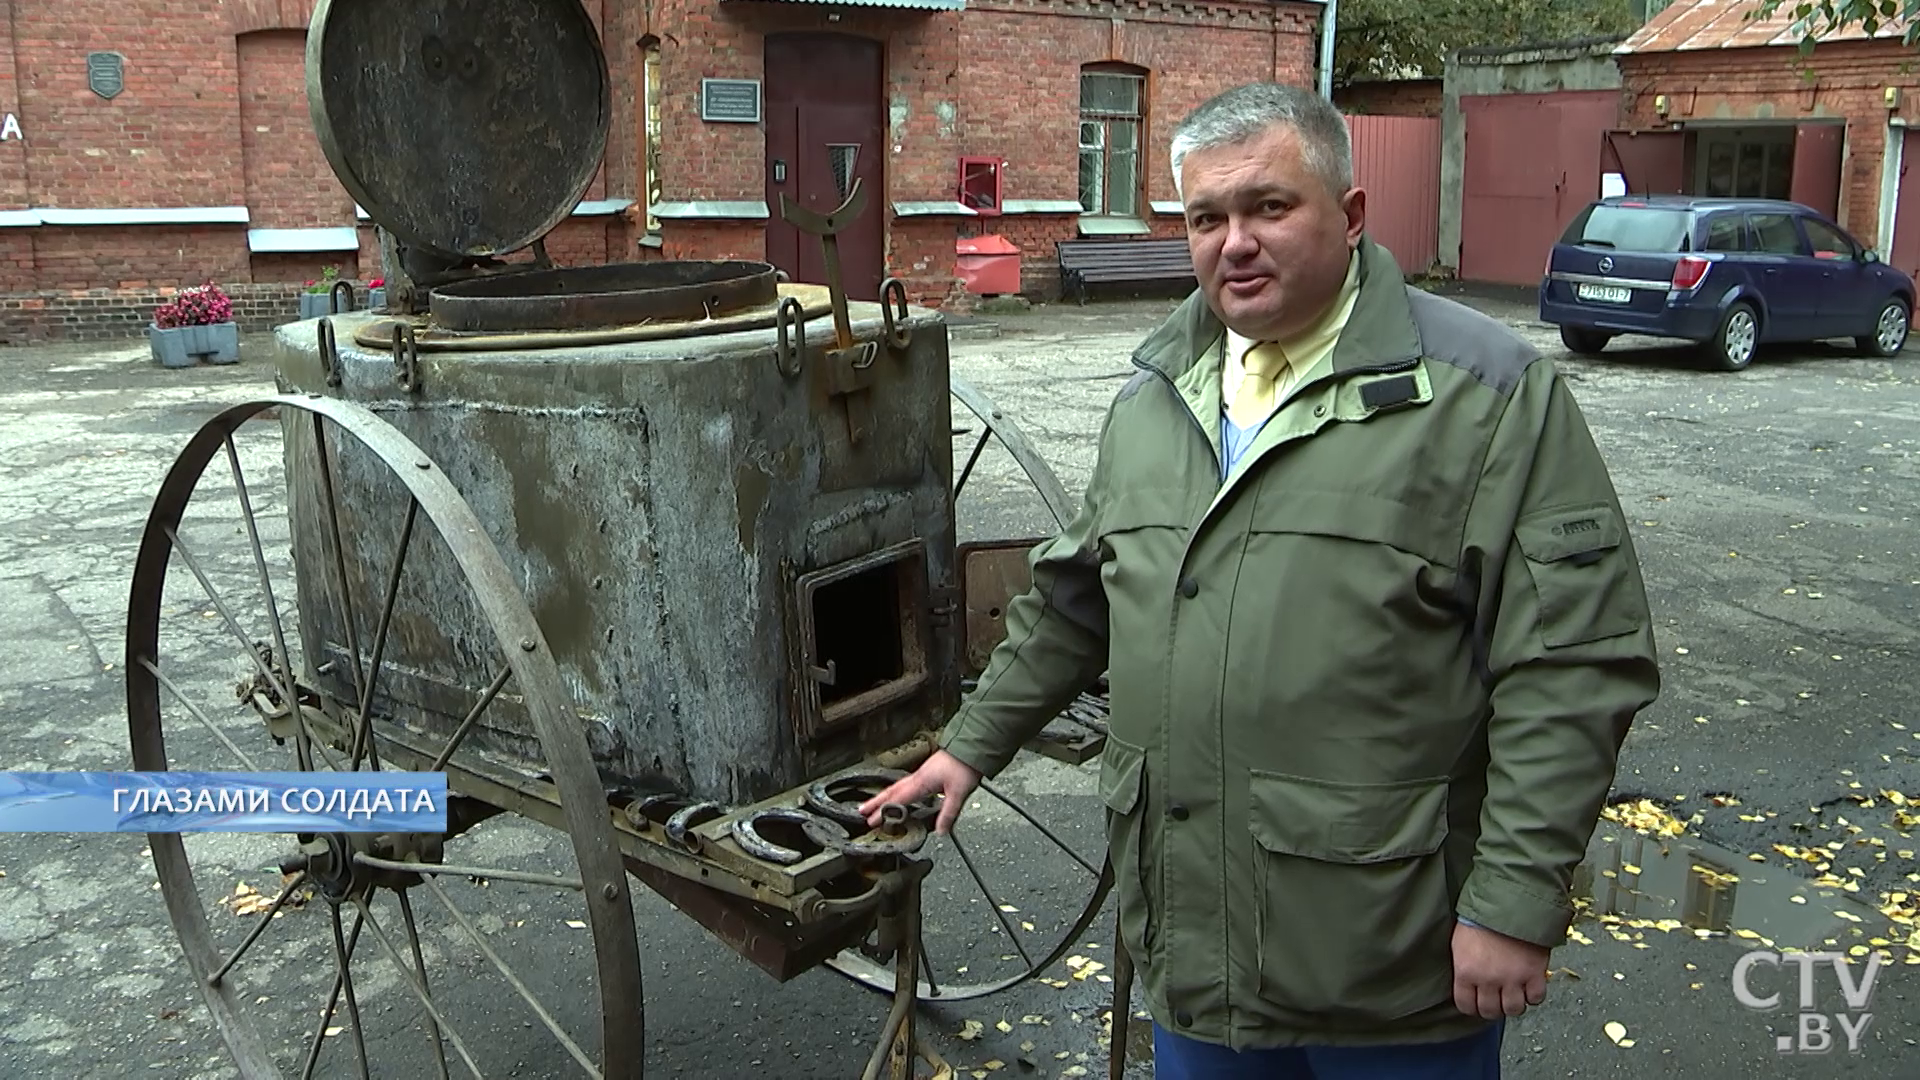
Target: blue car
{"type": "Point", "coordinates": [1731, 274]}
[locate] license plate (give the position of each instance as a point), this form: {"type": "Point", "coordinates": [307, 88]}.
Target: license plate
{"type": "Point", "coordinates": [1608, 294]}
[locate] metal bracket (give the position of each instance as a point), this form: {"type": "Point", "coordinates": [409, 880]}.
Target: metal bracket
{"type": "Point", "coordinates": [334, 301]}
{"type": "Point", "coordinates": [329, 354]}
{"type": "Point", "coordinates": [849, 374]}
{"type": "Point", "coordinates": [406, 357]}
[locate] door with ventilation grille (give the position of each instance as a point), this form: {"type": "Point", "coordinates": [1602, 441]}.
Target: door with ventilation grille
{"type": "Point", "coordinates": [826, 126]}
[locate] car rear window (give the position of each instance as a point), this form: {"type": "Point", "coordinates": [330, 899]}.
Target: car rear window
{"type": "Point", "coordinates": [1630, 228]}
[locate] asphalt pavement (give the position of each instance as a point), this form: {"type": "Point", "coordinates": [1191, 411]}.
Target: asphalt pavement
{"type": "Point", "coordinates": [1762, 802]}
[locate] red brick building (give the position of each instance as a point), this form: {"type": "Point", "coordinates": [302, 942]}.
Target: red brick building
{"type": "Point", "coordinates": [1727, 105]}
{"type": "Point", "coordinates": [147, 146]}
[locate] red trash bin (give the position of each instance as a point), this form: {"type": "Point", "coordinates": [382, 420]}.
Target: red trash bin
{"type": "Point", "coordinates": [989, 265]}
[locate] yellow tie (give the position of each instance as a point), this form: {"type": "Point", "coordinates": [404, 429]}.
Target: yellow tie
{"type": "Point", "coordinates": [1265, 364]}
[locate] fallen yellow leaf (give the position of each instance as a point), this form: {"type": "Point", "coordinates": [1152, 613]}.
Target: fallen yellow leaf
{"type": "Point", "coordinates": [1004, 1026]}
{"type": "Point", "coordinates": [1616, 1030]}
{"type": "Point", "coordinates": [971, 1030]}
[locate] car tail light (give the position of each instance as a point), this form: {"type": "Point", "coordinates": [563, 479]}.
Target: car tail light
{"type": "Point", "coordinates": [1688, 271]}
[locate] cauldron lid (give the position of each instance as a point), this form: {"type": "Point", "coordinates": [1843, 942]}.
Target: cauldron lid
{"type": "Point", "coordinates": [465, 127]}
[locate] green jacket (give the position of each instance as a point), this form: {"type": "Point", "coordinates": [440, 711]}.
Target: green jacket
{"type": "Point", "coordinates": [1376, 681]}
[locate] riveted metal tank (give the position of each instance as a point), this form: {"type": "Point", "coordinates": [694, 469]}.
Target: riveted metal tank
{"type": "Point", "coordinates": [730, 512]}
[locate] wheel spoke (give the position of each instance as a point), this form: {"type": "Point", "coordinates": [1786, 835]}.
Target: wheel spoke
{"type": "Point", "coordinates": [926, 965]}
{"type": "Point", "coordinates": [420, 965]}
{"type": "Point", "coordinates": [973, 457]}
{"type": "Point", "coordinates": [992, 902]}
{"type": "Point", "coordinates": [333, 1001]}
{"type": "Point", "coordinates": [339, 553]}
{"type": "Point", "coordinates": [302, 753]}
{"type": "Point", "coordinates": [286, 893]}
{"type": "Point", "coordinates": [419, 991]}
{"type": "Point", "coordinates": [226, 615]}
{"type": "Point", "coordinates": [1035, 822]}
{"type": "Point", "coordinates": [363, 728]}
{"type": "Point", "coordinates": [161, 677]}
{"type": "Point", "coordinates": [344, 963]}
{"type": "Point", "coordinates": [513, 979]}
{"type": "Point", "coordinates": [467, 871]}
{"type": "Point", "coordinates": [473, 716]}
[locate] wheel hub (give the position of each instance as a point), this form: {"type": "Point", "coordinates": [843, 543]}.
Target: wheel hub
{"type": "Point", "coordinates": [332, 861]}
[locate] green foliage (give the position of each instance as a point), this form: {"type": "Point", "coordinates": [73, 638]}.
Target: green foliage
{"type": "Point", "coordinates": [1392, 38]}
{"type": "Point", "coordinates": [1819, 18]}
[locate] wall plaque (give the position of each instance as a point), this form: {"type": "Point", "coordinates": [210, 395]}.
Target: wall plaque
{"type": "Point", "coordinates": [730, 101]}
{"type": "Point", "coordinates": [106, 74]}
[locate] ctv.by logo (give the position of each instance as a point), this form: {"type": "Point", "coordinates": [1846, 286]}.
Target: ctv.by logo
{"type": "Point", "coordinates": [1815, 1032]}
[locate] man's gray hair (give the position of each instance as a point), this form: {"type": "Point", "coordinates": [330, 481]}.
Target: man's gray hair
{"type": "Point", "coordinates": [1246, 112]}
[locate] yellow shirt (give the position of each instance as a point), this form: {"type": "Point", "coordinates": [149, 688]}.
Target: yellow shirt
{"type": "Point", "coordinates": [1303, 350]}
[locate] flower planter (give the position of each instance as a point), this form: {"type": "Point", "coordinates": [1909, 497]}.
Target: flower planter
{"type": "Point", "coordinates": [183, 346]}
{"type": "Point", "coordinates": [376, 299]}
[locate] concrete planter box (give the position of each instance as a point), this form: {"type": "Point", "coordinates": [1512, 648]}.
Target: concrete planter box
{"type": "Point", "coordinates": [183, 346]}
{"type": "Point", "coordinates": [315, 305]}
{"type": "Point", "coordinates": [376, 299]}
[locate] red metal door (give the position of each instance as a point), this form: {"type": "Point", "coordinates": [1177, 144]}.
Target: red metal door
{"type": "Point", "coordinates": [826, 126]}
{"type": "Point", "coordinates": [1396, 160]}
{"type": "Point", "coordinates": [1651, 162]}
{"type": "Point", "coordinates": [1532, 162]}
{"type": "Point", "coordinates": [1816, 167]}
{"type": "Point", "coordinates": [1904, 252]}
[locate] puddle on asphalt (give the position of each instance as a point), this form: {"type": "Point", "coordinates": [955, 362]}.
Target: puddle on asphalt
{"type": "Point", "coordinates": [1681, 884]}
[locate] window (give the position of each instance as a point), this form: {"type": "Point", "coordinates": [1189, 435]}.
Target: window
{"type": "Point", "coordinates": [1828, 242]}
{"type": "Point", "coordinates": [1630, 228]}
{"type": "Point", "coordinates": [650, 111]}
{"type": "Point", "coordinates": [1776, 234]}
{"type": "Point", "coordinates": [1746, 163]}
{"type": "Point", "coordinates": [1111, 99]}
{"type": "Point", "coordinates": [1726, 232]}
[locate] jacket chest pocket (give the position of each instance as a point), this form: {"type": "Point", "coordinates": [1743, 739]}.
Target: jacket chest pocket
{"type": "Point", "coordinates": [1123, 780]}
{"type": "Point", "coordinates": [1355, 911]}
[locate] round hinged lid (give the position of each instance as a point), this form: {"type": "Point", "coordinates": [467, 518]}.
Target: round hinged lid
{"type": "Point", "coordinates": [466, 127]}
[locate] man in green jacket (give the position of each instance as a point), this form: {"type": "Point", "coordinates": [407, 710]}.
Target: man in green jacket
{"type": "Point", "coordinates": [1374, 629]}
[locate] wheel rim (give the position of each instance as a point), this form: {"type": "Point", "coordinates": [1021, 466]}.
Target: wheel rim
{"type": "Point", "coordinates": [1740, 337]}
{"type": "Point", "coordinates": [327, 734]}
{"type": "Point", "coordinates": [983, 932]}
{"type": "Point", "coordinates": [1892, 328]}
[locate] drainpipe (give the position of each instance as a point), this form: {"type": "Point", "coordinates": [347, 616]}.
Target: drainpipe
{"type": "Point", "coordinates": [1329, 14]}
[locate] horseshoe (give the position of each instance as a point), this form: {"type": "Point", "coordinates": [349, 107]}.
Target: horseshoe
{"type": "Point", "coordinates": [746, 833]}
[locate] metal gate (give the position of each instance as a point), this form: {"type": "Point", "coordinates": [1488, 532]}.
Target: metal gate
{"type": "Point", "coordinates": [1396, 159]}
{"type": "Point", "coordinates": [1532, 161]}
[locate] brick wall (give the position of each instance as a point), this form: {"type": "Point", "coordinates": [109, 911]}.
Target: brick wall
{"type": "Point", "coordinates": [1838, 80]}
{"type": "Point", "coordinates": [213, 114]}
{"type": "Point", "coordinates": [1001, 79]}
{"type": "Point", "coordinates": [1392, 97]}
{"type": "Point", "coordinates": [109, 314]}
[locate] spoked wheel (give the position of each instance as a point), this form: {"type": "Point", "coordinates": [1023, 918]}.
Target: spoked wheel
{"type": "Point", "coordinates": [393, 639]}
{"type": "Point", "coordinates": [1022, 878]}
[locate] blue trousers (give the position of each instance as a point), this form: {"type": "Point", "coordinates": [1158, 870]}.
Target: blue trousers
{"type": "Point", "coordinates": [1476, 1057]}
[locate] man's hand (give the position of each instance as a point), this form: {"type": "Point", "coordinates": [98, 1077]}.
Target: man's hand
{"type": "Point", "coordinates": [942, 773]}
{"type": "Point", "coordinates": [1495, 975]}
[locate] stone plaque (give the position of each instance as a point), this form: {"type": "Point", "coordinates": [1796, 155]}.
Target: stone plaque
{"type": "Point", "coordinates": [106, 74]}
{"type": "Point", "coordinates": [730, 101]}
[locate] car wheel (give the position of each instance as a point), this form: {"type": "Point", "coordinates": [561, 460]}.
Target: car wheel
{"type": "Point", "coordinates": [1734, 343]}
{"type": "Point", "coordinates": [1890, 328]}
{"type": "Point", "coordinates": [1583, 341]}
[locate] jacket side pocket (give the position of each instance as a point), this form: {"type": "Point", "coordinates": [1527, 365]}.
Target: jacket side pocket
{"type": "Point", "coordinates": [1581, 573]}
{"type": "Point", "coordinates": [1355, 913]}
{"type": "Point", "coordinates": [1123, 789]}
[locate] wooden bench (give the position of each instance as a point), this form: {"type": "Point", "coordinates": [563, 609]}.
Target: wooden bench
{"type": "Point", "coordinates": [1105, 261]}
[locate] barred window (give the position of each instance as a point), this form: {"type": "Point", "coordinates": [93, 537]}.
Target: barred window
{"type": "Point", "coordinates": [1112, 111]}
